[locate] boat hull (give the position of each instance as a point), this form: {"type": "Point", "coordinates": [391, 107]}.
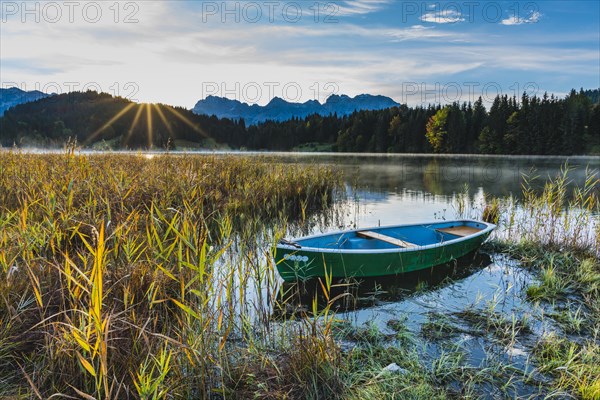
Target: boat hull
{"type": "Point", "coordinates": [305, 263]}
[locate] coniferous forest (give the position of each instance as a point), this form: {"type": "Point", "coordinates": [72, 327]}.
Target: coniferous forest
{"type": "Point", "coordinates": [544, 125]}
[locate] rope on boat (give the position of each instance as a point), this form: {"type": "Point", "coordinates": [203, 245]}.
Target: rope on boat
{"type": "Point", "coordinates": [290, 243]}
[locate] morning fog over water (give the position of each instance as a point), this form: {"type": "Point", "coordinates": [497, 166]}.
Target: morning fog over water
{"type": "Point", "coordinates": [395, 189]}
{"type": "Point", "coordinates": [390, 189]}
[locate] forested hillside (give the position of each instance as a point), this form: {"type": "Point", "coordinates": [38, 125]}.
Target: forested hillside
{"type": "Point", "coordinates": [93, 118]}
{"type": "Point", "coordinates": [529, 125]}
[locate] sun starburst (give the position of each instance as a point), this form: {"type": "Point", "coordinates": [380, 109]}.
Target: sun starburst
{"type": "Point", "coordinates": [149, 110]}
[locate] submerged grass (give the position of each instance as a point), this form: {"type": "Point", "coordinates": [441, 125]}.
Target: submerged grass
{"type": "Point", "coordinates": [569, 295]}
{"type": "Point", "coordinates": [556, 235]}
{"type": "Point", "coordinates": [575, 366]}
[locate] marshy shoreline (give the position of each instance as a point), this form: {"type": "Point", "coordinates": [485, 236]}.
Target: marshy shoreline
{"type": "Point", "coordinates": [127, 276]}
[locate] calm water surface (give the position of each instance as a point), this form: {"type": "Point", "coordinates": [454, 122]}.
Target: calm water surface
{"type": "Point", "coordinates": [388, 190]}
{"type": "Point", "coordinates": [395, 189]}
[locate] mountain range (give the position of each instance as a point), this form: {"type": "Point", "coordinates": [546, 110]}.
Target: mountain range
{"type": "Point", "coordinates": [281, 110]}
{"type": "Point", "coordinates": [276, 110]}
{"type": "Point", "coordinates": [14, 96]}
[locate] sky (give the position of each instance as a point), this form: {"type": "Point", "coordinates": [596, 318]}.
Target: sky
{"type": "Point", "coordinates": [178, 52]}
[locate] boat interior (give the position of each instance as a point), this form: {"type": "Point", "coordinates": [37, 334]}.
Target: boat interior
{"type": "Point", "coordinates": [395, 237]}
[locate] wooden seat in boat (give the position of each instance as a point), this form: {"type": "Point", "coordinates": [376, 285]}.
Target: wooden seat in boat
{"type": "Point", "coordinates": [459, 230]}
{"type": "Point", "coordinates": [388, 239]}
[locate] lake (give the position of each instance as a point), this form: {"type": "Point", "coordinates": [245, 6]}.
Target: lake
{"type": "Point", "coordinates": [397, 189]}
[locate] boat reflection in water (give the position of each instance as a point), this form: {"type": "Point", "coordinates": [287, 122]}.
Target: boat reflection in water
{"type": "Point", "coordinates": [344, 295]}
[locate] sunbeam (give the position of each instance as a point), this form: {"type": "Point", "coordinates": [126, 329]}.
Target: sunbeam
{"type": "Point", "coordinates": [138, 114]}
{"type": "Point", "coordinates": [164, 120]}
{"type": "Point", "coordinates": [188, 122]}
{"type": "Point", "coordinates": [150, 131]}
{"type": "Point", "coordinates": [109, 123]}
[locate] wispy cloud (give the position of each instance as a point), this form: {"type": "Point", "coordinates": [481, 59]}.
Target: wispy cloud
{"type": "Point", "coordinates": [302, 37]}
{"type": "Point", "coordinates": [420, 32]}
{"type": "Point", "coordinates": [516, 20]}
{"type": "Point", "coordinates": [358, 7]}
{"type": "Point", "coordinates": [448, 16]}
{"type": "Point", "coordinates": [32, 65]}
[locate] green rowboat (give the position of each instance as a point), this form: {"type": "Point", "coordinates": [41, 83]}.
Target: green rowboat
{"type": "Point", "coordinates": [379, 251]}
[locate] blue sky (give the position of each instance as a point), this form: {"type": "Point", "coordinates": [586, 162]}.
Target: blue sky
{"type": "Point", "coordinates": [178, 52]}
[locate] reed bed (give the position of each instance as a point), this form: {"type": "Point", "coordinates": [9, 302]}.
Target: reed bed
{"type": "Point", "coordinates": [559, 216]}
{"type": "Point", "coordinates": [113, 279]}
